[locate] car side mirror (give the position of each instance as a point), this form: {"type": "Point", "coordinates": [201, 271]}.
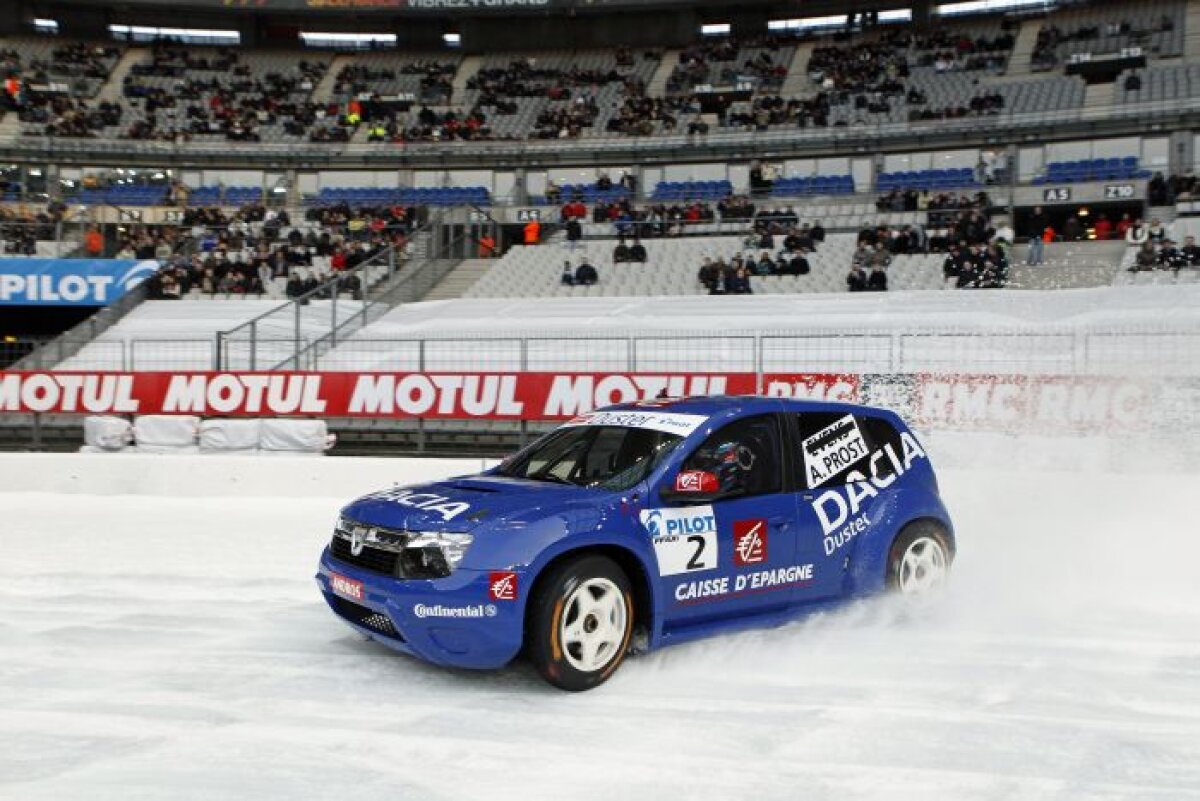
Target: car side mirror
{"type": "Point", "coordinates": [695, 486]}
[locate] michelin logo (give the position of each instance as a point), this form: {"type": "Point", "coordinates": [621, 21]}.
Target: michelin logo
{"type": "Point", "coordinates": [137, 274]}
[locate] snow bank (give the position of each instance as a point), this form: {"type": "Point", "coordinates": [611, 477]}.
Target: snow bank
{"type": "Point", "coordinates": [210, 475]}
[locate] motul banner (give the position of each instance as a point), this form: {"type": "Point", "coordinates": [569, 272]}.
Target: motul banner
{"type": "Point", "coordinates": [995, 402]}
{"type": "Point", "coordinates": [492, 396]}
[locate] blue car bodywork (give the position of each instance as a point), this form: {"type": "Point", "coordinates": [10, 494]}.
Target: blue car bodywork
{"type": "Point", "coordinates": [850, 479]}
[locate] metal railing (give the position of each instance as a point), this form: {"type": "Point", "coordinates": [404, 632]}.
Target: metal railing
{"type": "Point", "coordinates": [48, 353]}
{"type": "Point", "coordinates": [1034, 350]}
{"type": "Point", "coordinates": [1010, 125]}
{"type": "Point", "coordinates": [258, 340]}
{"type": "Point", "coordinates": [383, 286]}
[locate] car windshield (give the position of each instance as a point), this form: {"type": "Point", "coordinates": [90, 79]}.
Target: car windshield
{"type": "Point", "coordinates": [606, 457]}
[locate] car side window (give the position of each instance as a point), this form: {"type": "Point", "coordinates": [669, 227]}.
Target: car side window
{"type": "Point", "coordinates": [744, 455]}
{"type": "Point", "coordinates": [833, 444]}
{"type": "Point", "coordinates": [878, 433]}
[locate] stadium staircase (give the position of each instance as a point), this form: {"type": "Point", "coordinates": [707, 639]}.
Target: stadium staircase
{"type": "Point", "coordinates": [1098, 100]}
{"type": "Point", "coordinates": [112, 91]}
{"type": "Point", "coordinates": [657, 85]}
{"type": "Point", "coordinates": [1191, 33]}
{"type": "Point", "coordinates": [797, 82]}
{"type": "Point", "coordinates": [460, 280]}
{"type": "Point", "coordinates": [1019, 61]}
{"type": "Point", "coordinates": [466, 70]}
{"type": "Point", "coordinates": [323, 91]}
{"type": "Point", "coordinates": [1068, 265]}
{"type": "Point", "coordinates": [10, 127]}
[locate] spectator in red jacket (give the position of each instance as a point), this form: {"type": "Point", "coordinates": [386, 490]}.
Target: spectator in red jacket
{"type": "Point", "coordinates": [1104, 228]}
{"type": "Point", "coordinates": [337, 261]}
{"type": "Point", "coordinates": [575, 210]}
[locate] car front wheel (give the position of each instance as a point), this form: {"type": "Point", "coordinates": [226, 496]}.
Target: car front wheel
{"type": "Point", "coordinates": [919, 560]}
{"type": "Point", "coordinates": [581, 622]}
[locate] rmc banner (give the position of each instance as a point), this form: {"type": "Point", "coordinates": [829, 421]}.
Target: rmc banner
{"type": "Point", "coordinates": [1006, 403]}
{"type": "Point", "coordinates": [69, 282]}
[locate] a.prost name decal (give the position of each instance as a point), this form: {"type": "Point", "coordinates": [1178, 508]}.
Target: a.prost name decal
{"type": "Point", "coordinates": [833, 449]}
{"type": "Point", "coordinates": [685, 540]}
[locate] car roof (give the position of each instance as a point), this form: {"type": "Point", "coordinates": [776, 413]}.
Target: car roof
{"type": "Point", "coordinates": [712, 405]}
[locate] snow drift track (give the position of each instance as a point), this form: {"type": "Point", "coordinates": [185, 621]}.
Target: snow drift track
{"type": "Point", "coordinates": [161, 647]}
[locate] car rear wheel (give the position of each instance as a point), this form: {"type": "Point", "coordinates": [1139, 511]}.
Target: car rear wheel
{"type": "Point", "coordinates": [580, 622]}
{"type": "Point", "coordinates": [919, 560]}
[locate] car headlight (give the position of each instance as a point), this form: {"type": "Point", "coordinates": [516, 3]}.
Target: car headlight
{"type": "Point", "coordinates": [433, 554]}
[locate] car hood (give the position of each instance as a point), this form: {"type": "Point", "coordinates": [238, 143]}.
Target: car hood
{"type": "Point", "coordinates": [464, 504]}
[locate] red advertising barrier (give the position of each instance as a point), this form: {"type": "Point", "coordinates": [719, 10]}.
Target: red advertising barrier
{"type": "Point", "coordinates": [491, 396]}
{"type": "Point", "coordinates": [995, 402]}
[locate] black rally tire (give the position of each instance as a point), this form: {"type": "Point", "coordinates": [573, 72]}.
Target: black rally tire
{"type": "Point", "coordinates": [545, 616]}
{"type": "Point", "coordinates": [907, 536]}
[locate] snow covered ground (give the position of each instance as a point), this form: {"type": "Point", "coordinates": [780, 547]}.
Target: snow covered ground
{"type": "Point", "coordinates": [159, 647]}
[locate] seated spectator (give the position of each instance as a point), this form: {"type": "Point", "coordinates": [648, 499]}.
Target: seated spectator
{"type": "Point", "coordinates": [1170, 257]}
{"type": "Point", "coordinates": [953, 263]}
{"type": "Point", "coordinates": [487, 246]}
{"type": "Point", "coordinates": [1190, 251]}
{"type": "Point", "coordinates": [737, 281]}
{"type": "Point", "coordinates": [1146, 258]}
{"type": "Point", "coordinates": [1135, 233]}
{"type": "Point", "coordinates": [765, 264]}
{"type": "Point", "coordinates": [862, 254]}
{"type": "Point", "coordinates": [1123, 226]}
{"type": "Point", "coordinates": [1155, 232]}
{"type": "Point", "coordinates": [637, 252]}
{"type": "Point", "coordinates": [621, 252]}
{"type": "Point", "coordinates": [880, 256]}
{"type": "Point", "coordinates": [877, 280]}
{"type": "Point", "coordinates": [585, 273]}
{"type": "Point", "coordinates": [1073, 230]}
{"type": "Point", "coordinates": [856, 279]}
{"type": "Point", "coordinates": [709, 274]}
{"type": "Point", "coordinates": [574, 233]}
{"type": "Point", "coordinates": [795, 264]}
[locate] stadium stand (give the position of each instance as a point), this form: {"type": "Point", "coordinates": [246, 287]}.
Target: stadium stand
{"type": "Point", "coordinates": [672, 265]}
{"type": "Point", "coordinates": [1156, 26]}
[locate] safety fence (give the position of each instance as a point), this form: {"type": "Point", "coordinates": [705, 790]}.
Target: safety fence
{"type": "Point", "coordinates": [1033, 350]}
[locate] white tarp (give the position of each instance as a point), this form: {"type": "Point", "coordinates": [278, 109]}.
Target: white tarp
{"type": "Point", "coordinates": [173, 450]}
{"type": "Point", "coordinates": [165, 430]}
{"type": "Point", "coordinates": [225, 435]}
{"type": "Point", "coordinates": [107, 433]}
{"type": "Point", "coordinates": [295, 436]}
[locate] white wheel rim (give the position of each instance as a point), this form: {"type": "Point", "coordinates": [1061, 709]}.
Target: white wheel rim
{"type": "Point", "coordinates": [923, 566]}
{"type": "Point", "coordinates": [593, 624]}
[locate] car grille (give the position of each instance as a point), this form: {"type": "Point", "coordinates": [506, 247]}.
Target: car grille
{"type": "Point", "coordinates": [372, 559]}
{"type": "Point", "coordinates": [367, 618]}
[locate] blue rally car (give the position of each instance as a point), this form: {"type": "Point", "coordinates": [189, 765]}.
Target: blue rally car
{"type": "Point", "coordinates": [642, 525]}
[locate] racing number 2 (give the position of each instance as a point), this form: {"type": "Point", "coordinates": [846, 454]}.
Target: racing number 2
{"type": "Point", "coordinates": [697, 560]}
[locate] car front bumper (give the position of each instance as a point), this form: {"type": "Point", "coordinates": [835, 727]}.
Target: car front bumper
{"type": "Point", "coordinates": [451, 621]}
